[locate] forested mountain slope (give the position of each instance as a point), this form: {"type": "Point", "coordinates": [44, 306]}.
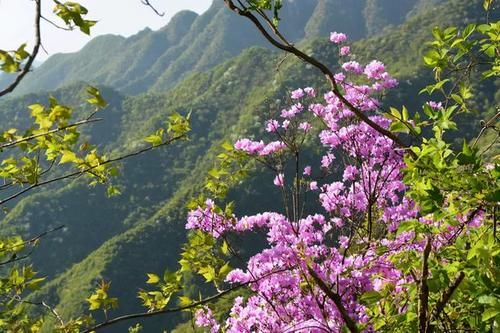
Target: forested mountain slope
{"type": "Point", "coordinates": [191, 42]}
{"type": "Point", "coordinates": [142, 230]}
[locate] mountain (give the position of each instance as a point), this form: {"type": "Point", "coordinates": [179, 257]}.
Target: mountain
{"type": "Point", "coordinates": [157, 60]}
{"type": "Point", "coordinates": [229, 89]}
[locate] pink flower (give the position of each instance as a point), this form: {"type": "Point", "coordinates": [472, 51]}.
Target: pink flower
{"type": "Point", "coordinates": [204, 318]}
{"type": "Point", "coordinates": [238, 276]}
{"type": "Point", "coordinates": [313, 186]}
{"type": "Point", "coordinates": [353, 66]}
{"type": "Point", "coordinates": [435, 105]}
{"type": "Point", "coordinates": [305, 126]}
{"type": "Point", "coordinates": [307, 171]}
{"type": "Point", "coordinates": [272, 125]}
{"type": "Point", "coordinates": [297, 94]}
{"type": "Point", "coordinates": [350, 173]}
{"type": "Point", "coordinates": [272, 147]}
{"type": "Point", "coordinates": [374, 70]}
{"type": "Point", "coordinates": [337, 37]}
{"type": "Point", "coordinates": [344, 242]}
{"type": "Point", "coordinates": [279, 180]}
{"type": "Point", "coordinates": [345, 50]}
{"type": "Point", "coordinates": [310, 92]}
{"type": "Point", "coordinates": [338, 222]}
{"type": "Point", "coordinates": [327, 160]}
{"type": "Point", "coordinates": [317, 109]}
{"type": "Point", "coordinates": [339, 77]}
{"type": "Point", "coordinates": [249, 146]}
{"type": "Point", "coordinates": [290, 113]}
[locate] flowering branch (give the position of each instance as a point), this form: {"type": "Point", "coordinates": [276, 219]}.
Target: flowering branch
{"type": "Point", "coordinates": [336, 300]}
{"type": "Point", "coordinates": [290, 48]}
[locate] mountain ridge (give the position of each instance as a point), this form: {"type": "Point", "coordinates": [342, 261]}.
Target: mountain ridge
{"type": "Point", "coordinates": [190, 42]}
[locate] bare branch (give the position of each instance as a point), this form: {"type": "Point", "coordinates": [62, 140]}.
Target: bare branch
{"type": "Point", "coordinates": [31, 58]}
{"type": "Point", "coordinates": [55, 24]}
{"type": "Point", "coordinates": [15, 258]}
{"type": "Point", "coordinates": [423, 294]}
{"type": "Point", "coordinates": [179, 309]}
{"type": "Point", "coordinates": [147, 3]}
{"type": "Point", "coordinates": [490, 123]}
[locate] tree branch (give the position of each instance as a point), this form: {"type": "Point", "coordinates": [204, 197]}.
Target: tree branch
{"type": "Point", "coordinates": [147, 3]}
{"type": "Point", "coordinates": [55, 24]}
{"type": "Point", "coordinates": [288, 47]}
{"type": "Point", "coordinates": [31, 58]}
{"type": "Point", "coordinates": [490, 123]}
{"type": "Point", "coordinates": [444, 299]}
{"type": "Point", "coordinates": [179, 309]}
{"type": "Point", "coordinates": [15, 258]}
{"type": "Point", "coordinates": [81, 172]}
{"type": "Point", "coordinates": [55, 130]}
{"type": "Point", "coordinates": [423, 294]}
{"type": "Point", "coordinates": [351, 325]}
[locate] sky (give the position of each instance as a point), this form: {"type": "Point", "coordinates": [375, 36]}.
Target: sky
{"type": "Point", "coordinates": [123, 17]}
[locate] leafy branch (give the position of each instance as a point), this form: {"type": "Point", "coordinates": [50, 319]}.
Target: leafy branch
{"type": "Point", "coordinates": [32, 56]}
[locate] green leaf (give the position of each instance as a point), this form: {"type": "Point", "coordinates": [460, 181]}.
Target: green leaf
{"type": "Point", "coordinates": [96, 97]}
{"type": "Point", "coordinates": [490, 313]}
{"type": "Point", "coordinates": [224, 270]}
{"type": "Point", "coordinates": [185, 301]}
{"type": "Point", "coordinates": [112, 191]}
{"type": "Point", "coordinates": [225, 248]}
{"type": "Point", "coordinates": [68, 157]}
{"type": "Point", "coordinates": [152, 278]}
{"type": "Point", "coordinates": [371, 297]}
{"type": "Point", "coordinates": [21, 53]}
{"type": "Point", "coordinates": [154, 139]}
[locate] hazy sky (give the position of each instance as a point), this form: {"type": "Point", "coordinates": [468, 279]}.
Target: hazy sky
{"type": "Point", "coordinates": [124, 17]}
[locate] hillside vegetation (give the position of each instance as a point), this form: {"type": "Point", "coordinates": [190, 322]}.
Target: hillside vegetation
{"type": "Point", "coordinates": [218, 68]}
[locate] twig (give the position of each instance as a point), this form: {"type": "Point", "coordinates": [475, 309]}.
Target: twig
{"type": "Point", "coordinates": [81, 172]}
{"type": "Point", "coordinates": [55, 130]}
{"type": "Point", "coordinates": [445, 298]}
{"type": "Point", "coordinates": [147, 3]}
{"type": "Point", "coordinates": [45, 305]}
{"type": "Point", "coordinates": [54, 312]}
{"type": "Point", "coordinates": [485, 125]}
{"type": "Point", "coordinates": [55, 24]}
{"type": "Point", "coordinates": [31, 58]}
{"type": "Point", "coordinates": [423, 294]}
{"type": "Point", "coordinates": [178, 309]}
{"type": "Point", "coordinates": [15, 258]}
{"type": "Point", "coordinates": [351, 325]}
{"type": "Point", "coordinates": [156, 313]}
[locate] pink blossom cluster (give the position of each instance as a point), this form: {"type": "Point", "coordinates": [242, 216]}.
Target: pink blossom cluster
{"type": "Point", "coordinates": [259, 147]}
{"type": "Point", "coordinates": [205, 318]}
{"type": "Point", "coordinates": [369, 194]}
{"type": "Point", "coordinates": [338, 37]}
{"type": "Point", "coordinates": [206, 219]}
